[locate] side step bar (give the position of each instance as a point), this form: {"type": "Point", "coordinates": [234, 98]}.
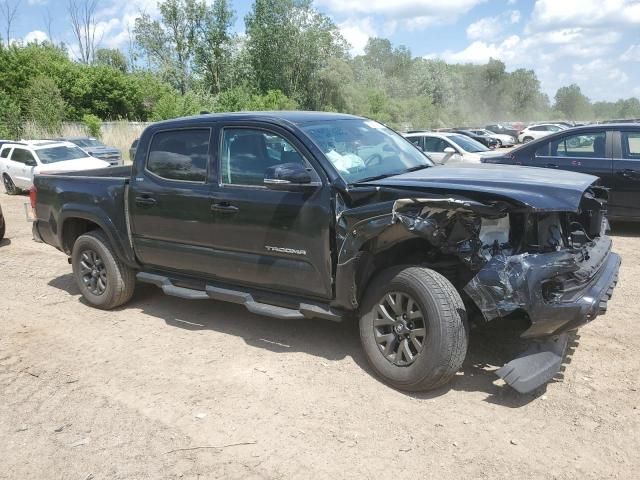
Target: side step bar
{"type": "Point", "coordinates": [242, 298]}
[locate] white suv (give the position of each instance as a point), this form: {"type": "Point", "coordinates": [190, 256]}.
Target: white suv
{"type": "Point", "coordinates": [20, 161]}
{"type": "Point", "coordinates": [533, 132]}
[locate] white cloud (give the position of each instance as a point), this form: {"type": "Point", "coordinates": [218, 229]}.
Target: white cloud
{"type": "Point", "coordinates": [447, 10]}
{"type": "Point", "coordinates": [36, 36]}
{"type": "Point", "coordinates": [481, 52]}
{"type": "Point", "coordinates": [37, 2]}
{"type": "Point", "coordinates": [583, 13]}
{"type": "Point", "coordinates": [357, 33]}
{"type": "Point", "coordinates": [631, 54]}
{"type": "Point", "coordinates": [491, 28]}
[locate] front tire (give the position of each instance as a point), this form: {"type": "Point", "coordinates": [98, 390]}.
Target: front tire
{"type": "Point", "coordinates": [527, 139]}
{"type": "Point", "coordinates": [104, 281]}
{"type": "Point", "coordinates": [499, 144]}
{"type": "Point", "coordinates": [9, 187]}
{"type": "Point", "coordinates": [413, 328]}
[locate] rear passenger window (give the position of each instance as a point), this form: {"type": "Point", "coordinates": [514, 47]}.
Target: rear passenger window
{"type": "Point", "coordinates": [246, 155]}
{"type": "Point", "coordinates": [180, 155]}
{"type": "Point", "coordinates": [5, 153]}
{"type": "Point", "coordinates": [434, 145]}
{"type": "Point", "coordinates": [583, 145]}
{"type": "Point", "coordinates": [631, 145]}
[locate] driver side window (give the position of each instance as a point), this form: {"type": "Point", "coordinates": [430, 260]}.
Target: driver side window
{"type": "Point", "coordinates": [23, 156]}
{"type": "Point", "coordinates": [248, 153]}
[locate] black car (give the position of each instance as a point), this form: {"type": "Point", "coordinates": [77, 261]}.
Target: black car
{"type": "Point", "coordinates": [608, 151]}
{"type": "Point", "coordinates": [503, 129]}
{"type": "Point", "coordinates": [489, 142]}
{"type": "Point", "coordinates": [300, 215]}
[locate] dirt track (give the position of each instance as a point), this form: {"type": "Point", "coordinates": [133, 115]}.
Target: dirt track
{"type": "Point", "coordinates": [91, 394]}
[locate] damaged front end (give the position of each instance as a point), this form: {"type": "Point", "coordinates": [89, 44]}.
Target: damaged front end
{"type": "Point", "coordinates": [554, 268]}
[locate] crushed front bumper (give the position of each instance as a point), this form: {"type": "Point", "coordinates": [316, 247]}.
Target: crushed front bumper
{"type": "Point", "coordinates": [558, 291]}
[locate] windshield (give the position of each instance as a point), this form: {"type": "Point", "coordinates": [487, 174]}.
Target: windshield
{"type": "Point", "coordinates": [468, 144]}
{"type": "Point", "coordinates": [363, 149]}
{"type": "Point", "coordinates": [88, 142]}
{"type": "Point", "coordinates": [60, 154]}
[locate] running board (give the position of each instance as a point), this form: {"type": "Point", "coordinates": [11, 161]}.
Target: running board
{"type": "Point", "coordinates": [242, 298]}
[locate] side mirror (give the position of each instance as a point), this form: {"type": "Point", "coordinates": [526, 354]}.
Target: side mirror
{"type": "Point", "coordinates": [288, 176]}
{"type": "Point", "coordinates": [450, 150]}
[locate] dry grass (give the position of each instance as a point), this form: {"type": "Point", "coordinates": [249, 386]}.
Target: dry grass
{"type": "Point", "coordinates": [115, 134]}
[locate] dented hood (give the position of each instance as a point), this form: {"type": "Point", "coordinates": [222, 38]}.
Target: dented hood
{"type": "Point", "coordinates": [538, 188]}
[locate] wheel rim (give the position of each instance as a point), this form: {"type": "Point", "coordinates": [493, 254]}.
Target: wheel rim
{"type": "Point", "coordinates": [93, 271]}
{"type": "Point", "coordinates": [399, 328]}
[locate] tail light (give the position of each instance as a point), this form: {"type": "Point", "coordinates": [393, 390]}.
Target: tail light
{"type": "Point", "coordinates": [33, 196]}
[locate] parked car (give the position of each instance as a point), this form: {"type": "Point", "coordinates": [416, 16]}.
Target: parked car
{"type": "Point", "coordinates": [502, 129]}
{"type": "Point", "coordinates": [321, 215]}
{"type": "Point", "coordinates": [488, 142]}
{"type": "Point", "coordinates": [445, 147]}
{"type": "Point", "coordinates": [534, 132]}
{"type": "Point", "coordinates": [96, 148]}
{"type": "Point", "coordinates": [19, 162]}
{"type": "Point", "coordinates": [608, 151]}
{"type": "Point", "coordinates": [133, 148]}
{"type": "Point", "coordinates": [3, 225]}
{"type": "Point", "coordinates": [503, 140]}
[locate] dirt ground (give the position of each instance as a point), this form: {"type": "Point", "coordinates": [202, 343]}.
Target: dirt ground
{"type": "Point", "coordinates": [168, 388]}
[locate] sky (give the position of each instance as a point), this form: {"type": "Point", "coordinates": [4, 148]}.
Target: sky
{"type": "Point", "coordinates": [594, 43]}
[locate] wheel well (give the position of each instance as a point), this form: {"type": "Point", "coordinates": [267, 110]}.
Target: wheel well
{"type": "Point", "coordinates": [72, 229]}
{"type": "Point", "coordinates": [414, 251]}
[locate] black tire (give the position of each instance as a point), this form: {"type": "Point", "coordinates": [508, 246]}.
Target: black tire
{"type": "Point", "coordinates": [444, 345]}
{"type": "Point", "coordinates": [9, 187]}
{"type": "Point", "coordinates": [3, 228]}
{"type": "Point", "coordinates": [499, 144]}
{"type": "Point", "coordinates": [119, 279]}
{"type": "Point", "coordinates": [527, 139]}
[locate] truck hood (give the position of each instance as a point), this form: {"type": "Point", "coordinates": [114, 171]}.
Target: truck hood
{"type": "Point", "coordinates": [88, 163]}
{"type": "Point", "coordinates": [101, 150]}
{"type": "Point", "coordinates": [538, 188]}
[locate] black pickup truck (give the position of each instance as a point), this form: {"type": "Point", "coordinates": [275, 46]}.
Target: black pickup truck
{"type": "Point", "coordinates": [321, 215]}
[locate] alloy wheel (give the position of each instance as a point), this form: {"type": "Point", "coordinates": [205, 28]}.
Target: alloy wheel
{"type": "Point", "coordinates": [94, 272]}
{"type": "Point", "coordinates": [399, 328]}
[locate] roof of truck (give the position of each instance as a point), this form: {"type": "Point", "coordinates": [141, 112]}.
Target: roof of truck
{"type": "Point", "coordinates": [288, 116]}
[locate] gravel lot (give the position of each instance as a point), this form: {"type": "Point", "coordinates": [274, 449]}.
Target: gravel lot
{"type": "Point", "coordinates": [167, 388]}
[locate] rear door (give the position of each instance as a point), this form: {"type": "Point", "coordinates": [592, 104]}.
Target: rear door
{"type": "Point", "coordinates": [585, 152]}
{"type": "Point", "coordinates": [435, 148]}
{"type": "Point", "coordinates": [20, 167]}
{"type": "Point", "coordinates": [624, 197]}
{"type": "Point", "coordinates": [170, 201]}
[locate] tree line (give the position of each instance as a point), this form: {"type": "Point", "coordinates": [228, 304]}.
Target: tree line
{"type": "Point", "coordinates": [290, 56]}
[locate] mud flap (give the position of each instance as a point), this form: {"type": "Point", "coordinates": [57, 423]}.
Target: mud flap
{"type": "Point", "coordinates": [537, 365]}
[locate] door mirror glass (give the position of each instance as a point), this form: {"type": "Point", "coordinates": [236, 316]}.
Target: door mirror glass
{"type": "Point", "coordinates": [449, 150]}
{"type": "Point", "coordinates": [287, 176]}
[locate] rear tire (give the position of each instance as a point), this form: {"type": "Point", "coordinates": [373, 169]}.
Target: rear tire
{"type": "Point", "coordinates": [9, 186]}
{"type": "Point", "coordinates": [428, 303]}
{"type": "Point", "coordinates": [527, 139]}
{"type": "Point", "coordinates": [104, 281]}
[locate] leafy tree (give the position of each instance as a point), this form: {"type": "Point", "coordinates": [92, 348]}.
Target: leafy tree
{"type": "Point", "coordinates": [111, 57]}
{"type": "Point", "coordinates": [288, 43]}
{"type": "Point", "coordinates": [46, 106]}
{"type": "Point", "coordinates": [93, 125]}
{"type": "Point", "coordinates": [572, 103]}
{"type": "Point", "coordinates": [214, 48]}
{"type": "Point", "coordinates": [170, 43]}
{"type": "Point", "coordinates": [10, 119]}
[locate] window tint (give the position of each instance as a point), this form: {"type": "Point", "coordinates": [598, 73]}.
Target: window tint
{"type": "Point", "coordinates": [416, 141]}
{"type": "Point", "coordinates": [590, 144]}
{"type": "Point", "coordinates": [246, 155]}
{"type": "Point", "coordinates": [543, 151]}
{"type": "Point", "coordinates": [5, 152]}
{"type": "Point", "coordinates": [180, 154]}
{"type": "Point", "coordinates": [553, 128]}
{"type": "Point", "coordinates": [23, 156]}
{"type": "Point", "coordinates": [631, 145]}
{"type": "Point", "coordinates": [433, 144]}
{"type": "Point", "coordinates": [538, 129]}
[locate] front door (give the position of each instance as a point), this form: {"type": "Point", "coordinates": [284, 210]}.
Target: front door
{"type": "Point", "coordinates": [624, 198]}
{"type": "Point", "coordinates": [19, 166]}
{"type": "Point", "coordinates": [267, 238]}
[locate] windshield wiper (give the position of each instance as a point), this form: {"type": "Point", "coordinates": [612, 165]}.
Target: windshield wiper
{"type": "Point", "coordinates": [385, 175]}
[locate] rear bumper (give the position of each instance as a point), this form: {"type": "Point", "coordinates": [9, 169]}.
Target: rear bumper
{"type": "Point", "coordinates": [581, 288]}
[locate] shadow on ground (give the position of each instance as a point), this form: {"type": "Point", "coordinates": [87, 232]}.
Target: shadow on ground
{"type": "Point", "coordinates": [625, 229]}
{"type": "Point", "coordinates": [5, 242]}
{"type": "Point", "coordinates": [489, 348]}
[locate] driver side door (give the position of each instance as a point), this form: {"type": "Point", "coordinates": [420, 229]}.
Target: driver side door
{"type": "Point", "coordinates": [270, 239]}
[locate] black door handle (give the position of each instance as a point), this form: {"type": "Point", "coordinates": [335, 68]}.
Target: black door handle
{"type": "Point", "coordinates": [224, 207]}
{"type": "Point", "coordinates": [552, 165]}
{"type": "Point", "coordinates": [145, 201]}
